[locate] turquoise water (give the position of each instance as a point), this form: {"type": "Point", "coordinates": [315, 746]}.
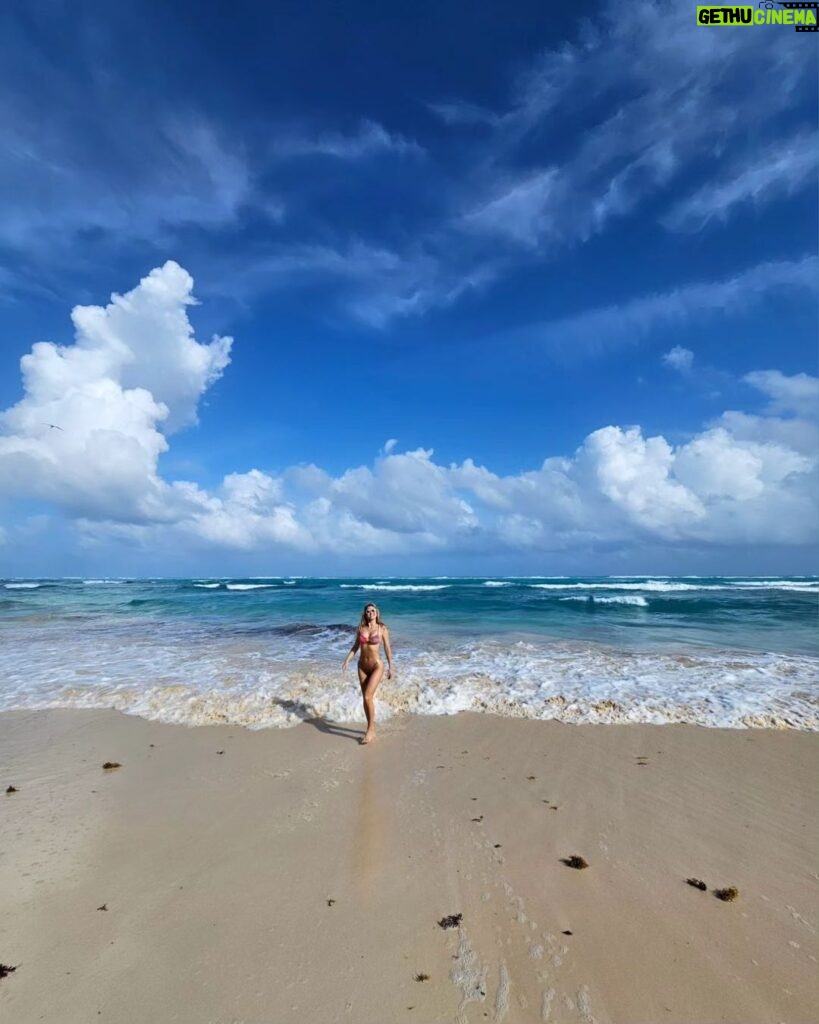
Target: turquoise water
{"type": "Point", "coordinates": [717, 651]}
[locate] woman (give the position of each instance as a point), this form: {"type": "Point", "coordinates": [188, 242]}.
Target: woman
{"type": "Point", "coordinates": [369, 636]}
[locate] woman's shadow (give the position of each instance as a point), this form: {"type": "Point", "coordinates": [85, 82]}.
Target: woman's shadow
{"type": "Point", "coordinates": [309, 717]}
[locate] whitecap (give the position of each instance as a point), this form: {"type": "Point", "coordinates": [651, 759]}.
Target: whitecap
{"type": "Point", "coordinates": [800, 586]}
{"type": "Point", "coordinates": [394, 586]}
{"type": "Point", "coordinates": [650, 585]}
{"type": "Point", "coordinates": [250, 586]}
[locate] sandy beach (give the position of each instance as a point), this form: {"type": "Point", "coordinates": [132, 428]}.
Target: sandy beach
{"type": "Point", "coordinates": [221, 875]}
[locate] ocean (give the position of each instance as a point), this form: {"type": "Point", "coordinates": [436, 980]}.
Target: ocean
{"type": "Point", "coordinates": [266, 652]}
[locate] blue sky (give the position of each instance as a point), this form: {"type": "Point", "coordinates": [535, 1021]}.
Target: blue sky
{"type": "Point", "coordinates": [506, 290]}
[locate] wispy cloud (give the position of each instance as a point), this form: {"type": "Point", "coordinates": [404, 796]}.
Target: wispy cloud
{"type": "Point", "coordinates": [460, 112]}
{"type": "Point", "coordinates": [591, 132]}
{"type": "Point", "coordinates": [781, 170]}
{"type": "Point", "coordinates": [519, 212]}
{"type": "Point", "coordinates": [181, 172]}
{"type": "Point", "coordinates": [370, 140]}
{"type": "Point", "coordinates": [372, 284]}
{"type": "Point", "coordinates": [613, 327]}
{"type": "Point", "coordinates": [683, 107]}
{"type": "Point", "coordinates": [797, 395]}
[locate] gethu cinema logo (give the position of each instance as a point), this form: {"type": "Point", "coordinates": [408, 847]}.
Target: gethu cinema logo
{"type": "Point", "coordinates": [803, 15]}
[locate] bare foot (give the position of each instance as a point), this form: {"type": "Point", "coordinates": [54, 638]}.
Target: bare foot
{"type": "Point", "coordinates": [368, 737]}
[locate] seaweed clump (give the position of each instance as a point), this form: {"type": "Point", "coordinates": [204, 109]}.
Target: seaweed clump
{"type": "Point", "coordinates": [575, 862]}
{"type": "Point", "coordinates": [110, 765]}
{"type": "Point", "coordinates": [697, 883]}
{"type": "Point", "coordinates": [453, 921]}
{"type": "Point", "coordinates": [422, 977]}
{"type": "Point", "coordinates": [11, 789]}
{"type": "Point", "coordinates": [727, 895]}
{"type": "Point", "coordinates": [5, 970]}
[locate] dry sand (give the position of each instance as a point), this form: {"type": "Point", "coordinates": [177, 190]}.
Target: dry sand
{"type": "Point", "coordinates": [300, 877]}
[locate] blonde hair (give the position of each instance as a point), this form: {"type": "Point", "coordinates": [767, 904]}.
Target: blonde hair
{"type": "Point", "coordinates": [363, 620]}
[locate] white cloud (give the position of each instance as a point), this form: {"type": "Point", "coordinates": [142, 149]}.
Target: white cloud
{"type": "Point", "coordinates": [184, 171]}
{"type": "Point", "coordinates": [613, 327]}
{"type": "Point", "coordinates": [134, 374]}
{"type": "Point", "coordinates": [679, 101]}
{"type": "Point", "coordinates": [377, 284]}
{"type": "Point", "coordinates": [370, 140]}
{"type": "Point", "coordinates": [519, 211]}
{"type": "Point", "coordinates": [635, 473]}
{"type": "Point", "coordinates": [459, 112]}
{"type": "Point", "coordinates": [679, 358]}
{"type": "Point", "coordinates": [743, 479]}
{"type": "Point", "coordinates": [798, 394]}
{"type": "Point", "coordinates": [403, 493]}
{"type": "Point", "coordinates": [250, 513]}
{"type": "Point", "coordinates": [779, 171]}
{"type": "Point", "coordinates": [799, 435]}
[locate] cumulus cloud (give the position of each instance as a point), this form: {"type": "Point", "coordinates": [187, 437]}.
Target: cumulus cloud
{"type": "Point", "coordinates": [635, 474]}
{"type": "Point", "coordinates": [135, 372]}
{"type": "Point", "coordinates": [679, 358]}
{"type": "Point", "coordinates": [95, 415]}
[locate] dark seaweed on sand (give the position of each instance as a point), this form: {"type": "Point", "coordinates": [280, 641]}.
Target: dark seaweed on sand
{"type": "Point", "coordinates": [422, 977]}
{"type": "Point", "coordinates": [727, 895]}
{"type": "Point", "coordinates": [575, 862]}
{"type": "Point", "coordinates": [453, 921]}
{"type": "Point", "coordinates": [5, 969]}
{"type": "Point", "coordinates": [697, 883]}
{"type": "Point", "coordinates": [111, 764]}
{"type": "Point", "coordinates": [11, 789]}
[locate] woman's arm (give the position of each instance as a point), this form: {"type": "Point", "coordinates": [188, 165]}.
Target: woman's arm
{"type": "Point", "coordinates": [388, 649]}
{"type": "Point", "coordinates": [350, 653]}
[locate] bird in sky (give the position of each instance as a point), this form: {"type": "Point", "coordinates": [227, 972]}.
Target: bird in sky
{"type": "Point", "coordinates": [53, 426]}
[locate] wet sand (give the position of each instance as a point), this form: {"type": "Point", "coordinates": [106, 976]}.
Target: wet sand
{"type": "Point", "coordinates": [297, 876]}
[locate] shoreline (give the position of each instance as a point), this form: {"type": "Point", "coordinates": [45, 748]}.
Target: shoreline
{"type": "Point", "coordinates": [299, 877]}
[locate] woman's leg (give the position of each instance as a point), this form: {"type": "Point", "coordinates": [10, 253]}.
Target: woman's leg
{"type": "Point", "coordinates": [369, 684]}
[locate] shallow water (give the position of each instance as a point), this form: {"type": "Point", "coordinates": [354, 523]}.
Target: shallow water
{"type": "Point", "coordinates": [717, 651]}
